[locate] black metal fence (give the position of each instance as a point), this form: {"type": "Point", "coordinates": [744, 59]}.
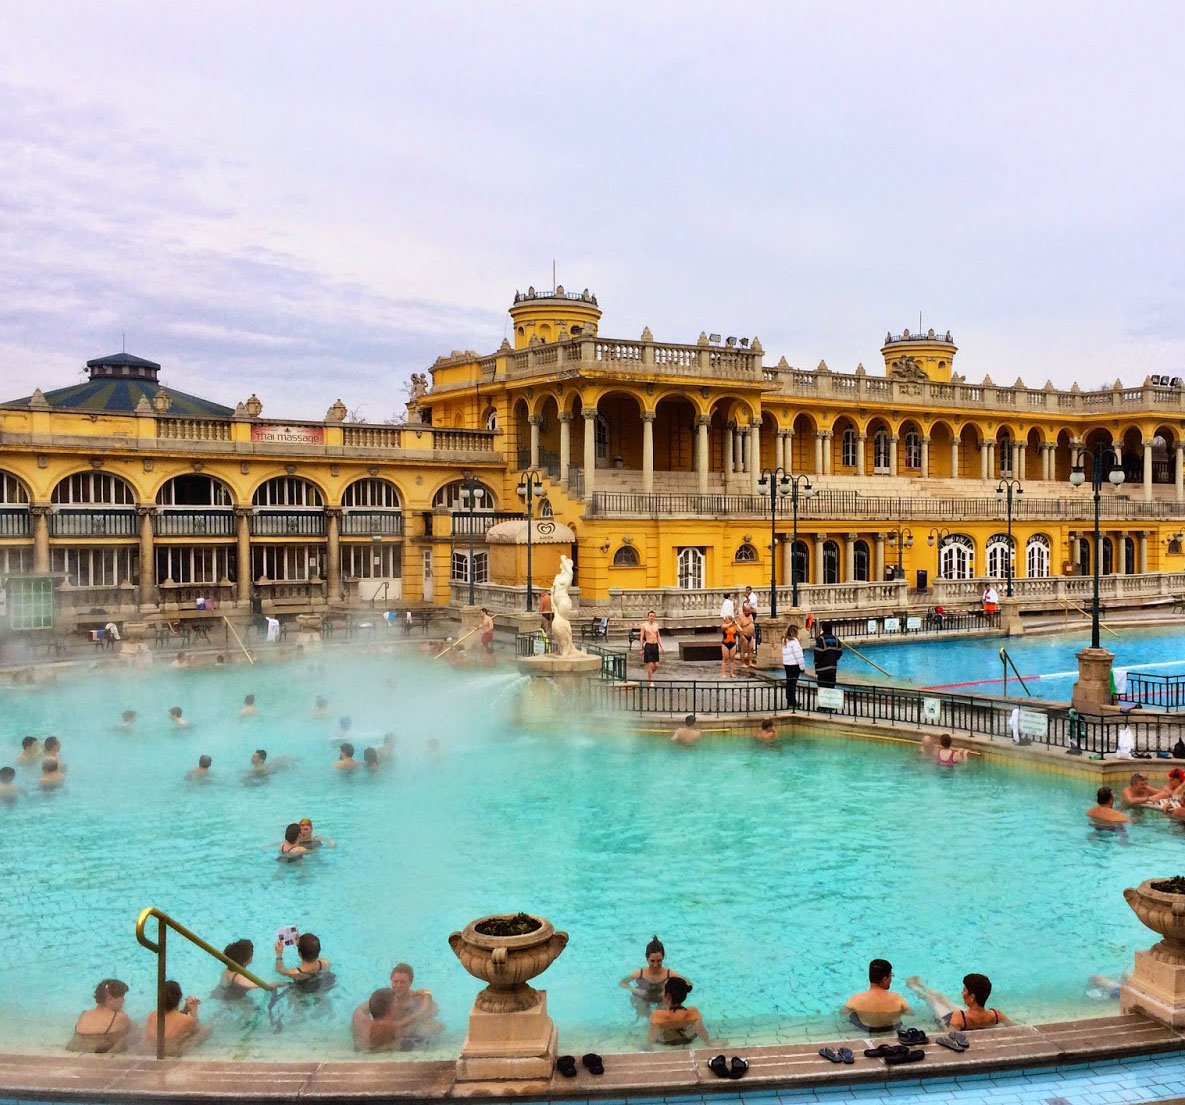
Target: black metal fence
{"type": "Point", "coordinates": [1161, 692]}
{"type": "Point", "coordinates": [930, 622]}
{"type": "Point", "coordinates": [613, 660]}
{"type": "Point", "coordinates": [970, 714]}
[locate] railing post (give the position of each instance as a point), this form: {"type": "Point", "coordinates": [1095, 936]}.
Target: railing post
{"type": "Point", "coordinates": [161, 978]}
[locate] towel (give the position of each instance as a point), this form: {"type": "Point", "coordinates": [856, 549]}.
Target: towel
{"type": "Point", "coordinates": [112, 631]}
{"type": "Point", "coordinates": [1127, 743]}
{"type": "Point", "coordinates": [1014, 724]}
{"type": "Point", "coordinates": [273, 629]}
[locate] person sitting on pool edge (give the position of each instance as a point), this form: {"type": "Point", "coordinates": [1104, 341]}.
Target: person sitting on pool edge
{"type": "Point", "coordinates": [672, 1023]}
{"type": "Point", "coordinates": [977, 989]}
{"type": "Point", "coordinates": [877, 1009]}
{"type": "Point", "coordinates": [313, 972]}
{"type": "Point", "coordinates": [646, 983]}
{"type": "Point", "coordinates": [182, 1030]}
{"type": "Point", "coordinates": [687, 733]}
{"type": "Point", "coordinates": [105, 1029]}
{"type": "Point", "coordinates": [1104, 813]}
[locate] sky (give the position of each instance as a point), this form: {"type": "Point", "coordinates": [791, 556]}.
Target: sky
{"type": "Point", "coordinates": [311, 201]}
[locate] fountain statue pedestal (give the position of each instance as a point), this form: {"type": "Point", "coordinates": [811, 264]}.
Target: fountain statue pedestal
{"type": "Point", "coordinates": [133, 643]}
{"type": "Point", "coordinates": [309, 630]}
{"type": "Point", "coordinates": [557, 685]}
{"type": "Point", "coordinates": [1156, 988]}
{"type": "Point", "coordinates": [1092, 692]}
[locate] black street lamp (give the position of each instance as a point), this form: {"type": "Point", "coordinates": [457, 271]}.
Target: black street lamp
{"type": "Point", "coordinates": [786, 485]}
{"type": "Point", "coordinates": [901, 539]}
{"type": "Point", "coordinates": [530, 488]}
{"type": "Point", "coordinates": [1104, 464]}
{"type": "Point", "coordinates": [938, 535]}
{"type": "Point", "coordinates": [471, 491]}
{"type": "Point", "coordinates": [1006, 489]}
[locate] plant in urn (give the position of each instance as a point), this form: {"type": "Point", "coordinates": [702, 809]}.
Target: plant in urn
{"type": "Point", "coordinates": [504, 950]}
{"type": "Point", "coordinates": [1156, 987]}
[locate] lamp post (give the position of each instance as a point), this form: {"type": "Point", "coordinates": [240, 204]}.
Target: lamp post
{"type": "Point", "coordinates": [530, 488]}
{"type": "Point", "coordinates": [938, 535]}
{"type": "Point", "coordinates": [1104, 465]}
{"type": "Point", "coordinates": [775, 482]}
{"type": "Point", "coordinates": [901, 539]}
{"type": "Point", "coordinates": [1006, 489]}
{"type": "Point", "coordinates": [471, 491]}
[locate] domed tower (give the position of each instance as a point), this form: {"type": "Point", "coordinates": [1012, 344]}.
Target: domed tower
{"type": "Point", "coordinates": [549, 316]}
{"type": "Point", "coordinates": [917, 356]}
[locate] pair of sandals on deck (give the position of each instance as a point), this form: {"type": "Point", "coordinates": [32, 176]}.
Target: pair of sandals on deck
{"type": "Point", "coordinates": [904, 1052]}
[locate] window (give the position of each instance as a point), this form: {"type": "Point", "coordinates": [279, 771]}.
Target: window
{"type": "Point", "coordinates": [880, 452]}
{"type": "Point", "coordinates": [1174, 546]}
{"type": "Point", "coordinates": [800, 562]}
{"type": "Point", "coordinates": [999, 556]}
{"type": "Point", "coordinates": [372, 494]}
{"type": "Point", "coordinates": [288, 491]}
{"type": "Point", "coordinates": [602, 437]}
{"type": "Point", "coordinates": [460, 566]}
{"type": "Point", "coordinates": [287, 563]}
{"type": "Point", "coordinates": [94, 487]}
{"type": "Point", "coordinates": [1004, 450]}
{"type": "Point", "coordinates": [1037, 556]}
{"type": "Point", "coordinates": [374, 561]}
{"type": "Point", "coordinates": [862, 560]}
{"type": "Point", "coordinates": [1107, 558]}
{"type": "Point", "coordinates": [12, 491]}
{"type": "Point", "coordinates": [830, 562]}
{"type": "Point", "coordinates": [15, 562]}
{"type": "Point", "coordinates": [30, 604]}
{"type": "Point", "coordinates": [1129, 556]}
{"type": "Point", "coordinates": [913, 449]}
{"type": "Point", "coordinates": [626, 557]}
{"type": "Point", "coordinates": [194, 563]}
{"type": "Point", "coordinates": [690, 561]}
{"type": "Point", "coordinates": [106, 567]}
{"type": "Point", "coordinates": [455, 497]}
{"type": "Point", "coordinates": [492, 420]}
{"type": "Point", "coordinates": [745, 554]}
{"type": "Point", "coordinates": [545, 509]}
{"type": "Point", "coordinates": [848, 448]}
{"type": "Point", "coordinates": [958, 557]}
{"type": "Point", "coordinates": [194, 491]}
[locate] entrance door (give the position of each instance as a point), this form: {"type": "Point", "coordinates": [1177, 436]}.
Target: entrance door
{"type": "Point", "coordinates": [428, 575]}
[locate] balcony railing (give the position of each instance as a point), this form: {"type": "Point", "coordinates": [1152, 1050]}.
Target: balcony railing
{"type": "Point", "coordinates": [15, 521]}
{"type": "Point", "coordinates": [386, 522]}
{"type": "Point", "coordinates": [477, 523]}
{"type": "Point", "coordinates": [195, 522]}
{"type": "Point", "coordinates": [92, 522]}
{"type": "Point", "coordinates": [288, 523]}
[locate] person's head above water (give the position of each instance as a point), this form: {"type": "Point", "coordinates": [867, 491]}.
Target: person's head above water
{"type": "Point", "coordinates": [52, 744]}
{"type": "Point", "coordinates": [308, 947]}
{"type": "Point", "coordinates": [174, 711]}
{"type": "Point", "coordinates": [655, 952]}
{"type": "Point", "coordinates": [249, 700]}
{"type": "Point", "coordinates": [172, 995]}
{"type": "Point", "coordinates": [110, 988]}
{"type": "Point", "coordinates": [880, 972]}
{"type": "Point", "coordinates": [7, 774]}
{"type": "Point", "coordinates": [28, 742]}
{"type": "Point", "coordinates": [347, 750]}
{"type": "Point", "coordinates": [677, 989]}
{"type": "Point", "coordinates": [689, 720]}
{"type": "Point", "coordinates": [381, 1003]}
{"type": "Point", "coordinates": [241, 951]}
{"type": "Point", "coordinates": [292, 833]}
{"type": "Point", "coordinates": [1138, 778]}
{"type": "Point", "coordinates": [128, 716]}
{"type": "Point", "coordinates": [1104, 797]}
{"type": "Point", "coordinates": [49, 765]}
{"type": "Point", "coordinates": [944, 740]}
{"type": "Point", "coordinates": [979, 987]}
{"type": "Point", "coordinates": [204, 761]}
{"type": "Point", "coordinates": [259, 755]}
{"type": "Point", "coordinates": [370, 757]}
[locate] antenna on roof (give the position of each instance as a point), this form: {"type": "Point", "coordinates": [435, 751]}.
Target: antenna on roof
{"type": "Point", "coordinates": [919, 324]}
{"type": "Point", "coordinates": [123, 341]}
{"type": "Point", "coordinates": [553, 274]}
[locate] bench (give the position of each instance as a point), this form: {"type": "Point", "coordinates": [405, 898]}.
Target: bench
{"type": "Point", "coordinates": [597, 630]}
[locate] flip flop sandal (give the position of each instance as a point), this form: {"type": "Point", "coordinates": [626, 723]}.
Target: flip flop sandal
{"type": "Point", "coordinates": [882, 1050]}
{"type": "Point", "coordinates": [845, 1053]}
{"type": "Point", "coordinates": [738, 1067]}
{"type": "Point", "coordinates": [959, 1037]}
{"type": "Point", "coordinates": [566, 1065]}
{"type": "Point", "coordinates": [950, 1042]}
{"type": "Point", "coordinates": [910, 1056]}
{"type": "Point", "coordinates": [912, 1036]}
{"type": "Point", "coordinates": [592, 1063]}
{"type": "Point", "coordinates": [718, 1065]}
{"type": "Point", "coordinates": [831, 1054]}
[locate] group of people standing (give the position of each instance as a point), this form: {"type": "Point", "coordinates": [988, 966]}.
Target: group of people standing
{"type": "Point", "coordinates": [827, 651]}
{"type": "Point", "coordinates": [740, 634]}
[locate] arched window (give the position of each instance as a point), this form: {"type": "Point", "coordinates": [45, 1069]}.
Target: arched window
{"type": "Point", "coordinates": [1084, 555]}
{"type": "Point", "coordinates": [913, 449]}
{"type": "Point", "coordinates": [1037, 556]}
{"type": "Point", "coordinates": [690, 561]}
{"type": "Point", "coordinates": [546, 510]}
{"type": "Point", "coordinates": [626, 557]}
{"type": "Point", "coordinates": [848, 448]}
{"type": "Point", "coordinates": [602, 437]}
{"type": "Point", "coordinates": [1004, 451]}
{"type": "Point", "coordinates": [195, 490]}
{"type": "Point", "coordinates": [12, 491]}
{"type": "Point", "coordinates": [1107, 561]}
{"type": "Point", "coordinates": [880, 452]}
{"type": "Point", "coordinates": [800, 563]}
{"type": "Point", "coordinates": [1129, 556]}
{"type": "Point", "coordinates": [745, 554]}
{"type": "Point", "coordinates": [290, 492]}
{"type": "Point", "coordinates": [830, 562]}
{"type": "Point", "coordinates": [861, 558]}
{"type": "Point", "coordinates": [492, 420]}
{"type": "Point", "coordinates": [1174, 546]}
{"type": "Point", "coordinates": [958, 557]}
{"type": "Point", "coordinates": [94, 487]}
{"type": "Point", "coordinates": [450, 498]}
{"type": "Point", "coordinates": [370, 507]}
{"type": "Point", "coordinates": [372, 494]}
{"type": "Point", "coordinates": [999, 555]}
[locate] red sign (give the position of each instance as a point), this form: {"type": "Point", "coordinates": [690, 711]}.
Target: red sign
{"type": "Point", "coordinates": [287, 435]}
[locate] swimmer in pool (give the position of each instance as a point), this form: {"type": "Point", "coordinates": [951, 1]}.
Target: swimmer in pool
{"type": "Point", "coordinates": [926, 748]}
{"type": "Point", "coordinates": [242, 952]}
{"type": "Point", "coordinates": [674, 1024]}
{"type": "Point", "coordinates": [127, 719]}
{"type": "Point", "coordinates": [345, 760]}
{"type": "Point", "coordinates": [646, 983]}
{"type": "Point", "coordinates": [53, 747]}
{"type": "Point", "coordinates": [201, 773]}
{"type": "Point", "coordinates": [976, 991]}
{"type": "Point", "coordinates": [386, 750]}
{"type": "Point", "coordinates": [370, 758]}
{"type": "Point", "coordinates": [344, 725]}
{"type": "Point", "coordinates": [261, 766]}
{"type": "Point", "coordinates": [182, 1030]}
{"type": "Point", "coordinates": [877, 1009]}
{"type": "Point", "coordinates": [9, 791]}
{"type": "Point", "coordinates": [687, 734]}
{"type": "Point", "coordinates": [373, 1025]}
{"type": "Point", "coordinates": [176, 718]}
{"type": "Point", "coordinates": [1137, 792]}
{"type": "Point", "coordinates": [249, 708]}
{"type": "Point", "coordinates": [292, 849]}
{"type": "Point", "coordinates": [308, 840]}
{"type": "Point", "coordinates": [415, 1011]}
{"type": "Point", "coordinates": [1103, 814]}
{"type": "Point", "coordinates": [178, 661]}
{"type": "Point", "coordinates": [308, 947]}
{"type": "Point", "coordinates": [766, 733]}
{"type": "Point", "coordinates": [51, 776]}
{"type": "Point", "coordinates": [105, 1029]}
{"type": "Point", "coordinates": [321, 707]}
{"type": "Point", "coordinates": [948, 756]}
{"type": "Point", "coordinates": [31, 751]}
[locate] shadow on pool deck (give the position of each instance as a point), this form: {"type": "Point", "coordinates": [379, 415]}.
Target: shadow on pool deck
{"type": "Point", "coordinates": [674, 1073]}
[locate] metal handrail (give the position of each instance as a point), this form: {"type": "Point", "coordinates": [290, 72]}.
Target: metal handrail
{"type": "Point", "coordinates": [165, 922]}
{"type": "Point", "coordinates": [1007, 661]}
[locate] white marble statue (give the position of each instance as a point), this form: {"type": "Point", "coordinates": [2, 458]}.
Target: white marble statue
{"type": "Point", "coordinates": [561, 604]}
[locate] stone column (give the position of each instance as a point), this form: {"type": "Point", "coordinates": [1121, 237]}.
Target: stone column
{"type": "Point", "coordinates": [879, 558]}
{"type": "Point", "coordinates": [40, 513]}
{"type": "Point", "coordinates": [534, 421]}
{"type": "Point", "coordinates": [590, 452]}
{"type": "Point", "coordinates": [702, 422]}
{"type": "Point", "coordinates": [788, 452]}
{"type": "Point", "coordinates": [819, 452]}
{"type": "Point", "coordinates": [1179, 475]}
{"type": "Point", "coordinates": [925, 458]}
{"type": "Point", "coordinates": [991, 460]}
{"type": "Point", "coordinates": [755, 458]}
{"type": "Point", "coordinates": [827, 457]}
{"type": "Point", "coordinates": [954, 458]}
{"type": "Point", "coordinates": [861, 455]}
{"type": "Point", "coordinates": [849, 557]}
{"type": "Point", "coordinates": [1142, 552]}
{"type": "Point", "coordinates": [565, 421]}
{"type": "Point", "coordinates": [147, 557]}
{"type": "Point", "coordinates": [243, 554]}
{"type": "Point", "coordinates": [1147, 469]}
{"type": "Point", "coordinates": [983, 459]}
{"type": "Point", "coordinates": [333, 530]}
{"type": "Point", "coordinates": [728, 447]}
{"type": "Point", "coordinates": [779, 449]}
{"type": "Point", "coordinates": [1014, 460]}
{"type": "Point", "coordinates": [648, 451]}
{"type": "Point", "coordinates": [820, 538]}
{"type": "Point", "coordinates": [893, 455]}
{"type": "Point", "coordinates": [1045, 461]}
{"type": "Point", "coordinates": [1018, 469]}
{"type": "Point", "coordinates": [1121, 557]}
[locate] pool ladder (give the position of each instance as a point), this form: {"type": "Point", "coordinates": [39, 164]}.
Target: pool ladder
{"type": "Point", "coordinates": [1006, 660]}
{"type": "Point", "coordinates": [164, 923]}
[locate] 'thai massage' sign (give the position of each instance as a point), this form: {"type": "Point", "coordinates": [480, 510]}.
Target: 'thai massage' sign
{"type": "Point", "coordinates": [285, 434]}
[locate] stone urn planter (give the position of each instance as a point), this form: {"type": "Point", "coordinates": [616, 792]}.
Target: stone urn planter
{"type": "Point", "coordinates": [1160, 904]}
{"type": "Point", "coordinates": [506, 962]}
{"type": "Point", "coordinates": [136, 631]}
{"type": "Point", "coordinates": [309, 623]}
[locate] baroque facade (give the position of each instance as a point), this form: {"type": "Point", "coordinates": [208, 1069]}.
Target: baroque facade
{"type": "Point", "coordinates": [135, 497]}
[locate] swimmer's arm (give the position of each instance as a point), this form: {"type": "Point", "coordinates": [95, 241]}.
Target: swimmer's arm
{"type": "Point", "coordinates": [653, 1034]}
{"type": "Point", "coordinates": [327, 842]}
{"type": "Point", "coordinates": [625, 982]}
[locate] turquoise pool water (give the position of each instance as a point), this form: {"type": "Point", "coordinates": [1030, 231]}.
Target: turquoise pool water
{"type": "Point", "coordinates": [773, 875]}
{"type": "Point", "coordinates": [972, 665]}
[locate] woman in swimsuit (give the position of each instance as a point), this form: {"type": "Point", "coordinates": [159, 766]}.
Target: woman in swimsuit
{"type": "Point", "coordinates": [946, 756]}
{"type": "Point", "coordinates": [231, 983]}
{"type": "Point", "coordinates": [728, 647]}
{"type": "Point", "coordinates": [313, 970]}
{"type": "Point", "coordinates": [672, 1023]}
{"type": "Point", "coordinates": [646, 983]}
{"type": "Point", "coordinates": [291, 849]}
{"type": "Point", "coordinates": [103, 1030]}
{"type": "Point", "coordinates": [977, 989]}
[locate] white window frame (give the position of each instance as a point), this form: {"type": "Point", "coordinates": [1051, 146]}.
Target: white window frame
{"type": "Point", "coordinates": [913, 449]}
{"type": "Point", "coordinates": [194, 563]}
{"type": "Point", "coordinates": [958, 557]}
{"type": "Point", "coordinates": [92, 489]}
{"type": "Point", "coordinates": [89, 567]}
{"type": "Point", "coordinates": [459, 566]}
{"type": "Point", "coordinates": [1038, 554]}
{"type": "Point", "coordinates": [689, 561]}
{"type": "Point", "coordinates": [847, 448]}
{"type": "Point", "coordinates": [286, 563]}
{"type": "Point", "coordinates": [358, 560]}
{"type": "Point", "coordinates": [880, 452]}
{"type": "Point", "coordinates": [288, 493]}
{"type": "Point", "coordinates": [999, 554]}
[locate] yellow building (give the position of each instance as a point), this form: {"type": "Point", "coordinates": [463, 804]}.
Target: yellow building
{"type": "Point", "coordinates": [126, 497]}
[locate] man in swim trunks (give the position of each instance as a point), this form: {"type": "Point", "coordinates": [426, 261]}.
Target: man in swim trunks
{"type": "Point", "coordinates": [687, 733]}
{"type": "Point", "coordinates": [746, 627]}
{"type": "Point", "coordinates": [546, 612]}
{"type": "Point", "coordinates": [728, 647]}
{"type": "Point", "coordinates": [51, 776]}
{"type": "Point", "coordinates": [1104, 811]}
{"type": "Point", "coordinates": [991, 599]}
{"type": "Point", "coordinates": [1137, 792]}
{"type": "Point", "coordinates": [53, 747]}
{"type": "Point", "coordinates": [650, 642]}
{"type": "Point", "coordinates": [249, 708]}
{"type": "Point", "coordinates": [877, 1009]}
{"type": "Point", "coordinates": [976, 991]}
{"type": "Point", "coordinates": [176, 718]}
{"type": "Point", "coordinates": [201, 773]}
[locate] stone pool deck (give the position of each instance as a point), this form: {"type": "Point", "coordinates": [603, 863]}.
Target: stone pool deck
{"type": "Point", "coordinates": [681, 1075]}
